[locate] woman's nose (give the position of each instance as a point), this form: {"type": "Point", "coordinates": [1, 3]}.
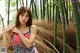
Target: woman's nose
{"type": "Point", "coordinates": [24, 17]}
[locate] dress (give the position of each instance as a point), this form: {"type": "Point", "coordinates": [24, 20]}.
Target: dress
{"type": "Point", "coordinates": [19, 46]}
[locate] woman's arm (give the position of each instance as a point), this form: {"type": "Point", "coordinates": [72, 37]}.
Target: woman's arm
{"type": "Point", "coordinates": [1, 35]}
{"type": "Point", "coordinates": [29, 42]}
{"type": "Point", "coordinates": [4, 40]}
{"type": "Point", "coordinates": [6, 29]}
{"type": "Point", "coordinates": [4, 43]}
{"type": "Point", "coordinates": [6, 37]}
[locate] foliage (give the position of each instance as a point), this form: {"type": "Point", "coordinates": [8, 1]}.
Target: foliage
{"type": "Point", "coordinates": [12, 9]}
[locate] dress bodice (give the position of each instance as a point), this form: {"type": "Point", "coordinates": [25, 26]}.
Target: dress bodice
{"type": "Point", "coordinates": [19, 46]}
{"type": "Point", "coordinates": [17, 40]}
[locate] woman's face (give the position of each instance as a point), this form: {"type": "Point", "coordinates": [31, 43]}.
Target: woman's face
{"type": "Point", "coordinates": [23, 18]}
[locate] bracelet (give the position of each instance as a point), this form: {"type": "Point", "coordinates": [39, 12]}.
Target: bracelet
{"type": "Point", "coordinates": [3, 49]}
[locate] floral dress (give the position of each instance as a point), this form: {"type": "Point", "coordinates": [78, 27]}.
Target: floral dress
{"type": "Point", "coordinates": [19, 47]}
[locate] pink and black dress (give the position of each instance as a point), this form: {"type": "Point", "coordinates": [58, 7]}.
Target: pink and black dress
{"type": "Point", "coordinates": [19, 46]}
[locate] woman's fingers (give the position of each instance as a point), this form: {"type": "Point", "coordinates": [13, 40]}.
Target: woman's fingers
{"type": "Point", "coordinates": [9, 29]}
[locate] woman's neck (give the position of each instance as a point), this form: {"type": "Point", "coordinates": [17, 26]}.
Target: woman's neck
{"type": "Point", "coordinates": [23, 26]}
{"type": "Point", "coordinates": [24, 29]}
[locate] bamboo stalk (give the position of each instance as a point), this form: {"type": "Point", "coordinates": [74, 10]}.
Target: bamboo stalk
{"type": "Point", "coordinates": [66, 13]}
{"type": "Point", "coordinates": [55, 25]}
{"type": "Point", "coordinates": [50, 10]}
{"type": "Point", "coordinates": [36, 11]}
{"type": "Point", "coordinates": [26, 3]}
{"type": "Point", "coordinates": [41, 9]}
{"type": "Point", "coordinates": [30, 4]}
{"type": "Point", "coordinates": [22, 2]}
{"type": "Point", "coordinates": [53, 9]}
{"type": "Point", "coordinates": [63, 25]}
{"type": "Point", "coordinates": [17, 5]}
{"type": "Point", "coordinates": [47, 11]}
{"type": "Point", "coordinates": [76, 23]}
{"type": "Point", "coordinates": [2, 20]}
{"type": "Point", "coordinates": [8, 11]}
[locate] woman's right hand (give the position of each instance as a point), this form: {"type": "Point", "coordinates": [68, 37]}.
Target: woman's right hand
{"type": "Point", "coordinates": [8, 29]}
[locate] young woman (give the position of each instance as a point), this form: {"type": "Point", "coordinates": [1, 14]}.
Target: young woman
{"type": "Point", "coordinates": [24, 33]}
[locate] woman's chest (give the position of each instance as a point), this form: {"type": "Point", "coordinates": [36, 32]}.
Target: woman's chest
{"type": "Point", "coordinates": [17, 39]}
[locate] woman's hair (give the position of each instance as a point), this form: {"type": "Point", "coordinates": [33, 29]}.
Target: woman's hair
{"type": "Point", "coordinates": [22, 10]}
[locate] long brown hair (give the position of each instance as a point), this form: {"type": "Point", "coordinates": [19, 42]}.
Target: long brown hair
{"type": "Point", "coordinates": [22, 10]}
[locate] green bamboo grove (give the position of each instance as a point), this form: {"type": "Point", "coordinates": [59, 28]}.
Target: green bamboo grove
{"type": "Point", "coordinates": [59, 12]}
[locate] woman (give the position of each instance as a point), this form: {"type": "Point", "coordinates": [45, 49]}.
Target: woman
{"type": "Point", "coordinates": [24, 33]}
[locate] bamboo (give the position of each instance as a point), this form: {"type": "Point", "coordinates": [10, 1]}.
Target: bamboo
{"type": "Point", "coordinates": [17, 5]}
{"type": "Point", "coordinates": [76, 23]}
{"type": "Point", "coordinates": [50, 10]}
{"type": "Point", "coordinates": [33, 14]}
{"type": "Point", "coordinates": [79, 9]}
{"type": "Point", "coordinates": [8, 11]}
{"type": "Point", "coordinates": [63, 25]}
{"type": "Point", "coordinates": [66, 13]}
{"type": "Point", "coordinates": [30, 4]}
{"type": "Point", "coordinates": [36, 11]}
{"type": "Point", "coordinates": [55, 24]}
{"type": "Point", "coordinates": [41, 9]}
{"type": "Point", "coordinates": [26, 3]}
{"type": "Point", "coordinates": [53, 9]}
{"type": "Point", "coordinates": [22, 2]}
{"type": "Point", "coordinates": [58, 17]}
{"type": "Point", "coordinates": [47, 11]}
{"type": "Point", "coordinates": [2, 20]}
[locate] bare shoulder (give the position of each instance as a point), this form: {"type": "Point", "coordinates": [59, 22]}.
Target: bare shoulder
{"type": "Point", "coordinates": [33, 27]}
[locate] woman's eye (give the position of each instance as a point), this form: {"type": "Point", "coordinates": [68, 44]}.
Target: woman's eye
{"type": "Point", "coordinates": [27, 16]}
{"type": "Point", "coordinates": [21, 15]}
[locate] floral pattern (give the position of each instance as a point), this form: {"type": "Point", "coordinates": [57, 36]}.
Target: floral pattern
{"type": "Point", "coordinates": [19, 48]}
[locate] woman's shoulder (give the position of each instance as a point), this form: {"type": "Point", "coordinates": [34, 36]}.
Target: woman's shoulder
{"type": "Point", "coordinates": [33, 27]}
